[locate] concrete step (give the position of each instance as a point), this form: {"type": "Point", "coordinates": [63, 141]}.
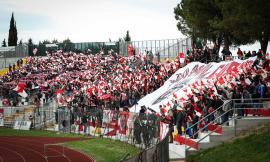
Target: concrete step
{"type": "Point", "coordinates": [177, 160]}
{"type": "Point", "coordinates": [19, 113]}
{"type": "Point", "coordinates": [224, 128]}
{"type": "Point", "coordinates": [8, 117]}
{"type": "Point", "coordinates": [28, 110]}
{"type": "Point", "coordinates": [208, 145]}
{"type": "Point", "coordinates": [191, 152]}
{"type": "Point", "coordinates": [247, 123]}
{"type": "Point", "coordinates": [176, 151]}
{"type": "Point", "coordinates": [222, 138]}
{"type": "Point", "coordinates": [228, 130]}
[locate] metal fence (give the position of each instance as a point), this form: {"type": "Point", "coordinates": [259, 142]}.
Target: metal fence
{"type": "Point", "coordinates": [157, 153]}
{"type": "Point", "coordinates": [230, 114]}
{"type": "Point", "coordinates": [95, 47]}
{"type": "Point", "coordinates": [140, 130]}
{"type": "Point", "coordinates": [167, 48]}
{"type": "Point", "coordinates": [11, 114]}
{"type": "Point", "coordinates": [10, 55]}
{"type": "Point", "coordinates": [40, 117]}
{"type": "Point", "coordinates": [43, 118]}
{"type": "Point", "coordinates": [64, 120]}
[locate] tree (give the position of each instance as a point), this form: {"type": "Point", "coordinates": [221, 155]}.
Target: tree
{"type": "Point", "coordinates": [257, 18]}
{"type": "Point", "coordinates": [30, 42]}
{"type": "Point", "coordinates": [20, 43]}
{"type": "Point", "coordinates": [55, 41]}
{"type": "Point", "coordinates": [67, 45]}
{"type": "Point", "coordinates": [30, 46]}
{"type": "Point", "coordinates": [216, 20]}
{"type": "Point", "coordinates": [194, 19]}
{"type": "Point", "coordinates": [12, 36]}
{"type": "Point", "coordinates": [233, 23]}
{"type": "Point", "coordinates": [46, 42]}
{"type": "Point", "coordinates": [127, 38]}
{"type": "Point", "coordinates": [4, 43]}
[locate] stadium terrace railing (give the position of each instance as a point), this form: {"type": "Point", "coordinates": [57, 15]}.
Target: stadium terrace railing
{"type": "Point", "coordinates": [140, 130]}
{"type": "Point", "coordinates": [39, 117]}
{"type": "Point", "coordinates": [166, 48]}
{"type": "Point", "coordinates": [156, 153]}
{"type": "Point", "coordinates": [234, 109]}
{"type": "Point", "coordinates": [10, 55]}
{"type": "Point", "coordinates": [205, 118]}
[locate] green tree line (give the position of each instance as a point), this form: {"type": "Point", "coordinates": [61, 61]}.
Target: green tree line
{"type": "Point", "coordinates": [228, 22]}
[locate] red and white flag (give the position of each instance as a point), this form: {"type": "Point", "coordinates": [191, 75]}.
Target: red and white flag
{"type": "Point", "coordinates": [182, 57]}
{"type": "Point", "coordinates": [20, 90]}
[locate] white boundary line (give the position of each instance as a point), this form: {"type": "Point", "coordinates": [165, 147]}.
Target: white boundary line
{"type": "Point", "coordinates": [14, 152]}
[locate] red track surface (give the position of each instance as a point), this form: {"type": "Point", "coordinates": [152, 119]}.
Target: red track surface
{"type": "Point", "coordinates": [31, 149]}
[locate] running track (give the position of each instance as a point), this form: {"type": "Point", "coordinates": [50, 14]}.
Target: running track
{"type": "Point", "coordinates": [31, 149]}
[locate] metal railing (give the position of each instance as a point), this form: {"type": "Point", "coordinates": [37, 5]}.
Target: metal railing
{"type": "Point", "coordinates": [10, 55]}
{"type": "Point", "coordinates": [156, 153]}
{"type": "Point", "coordinates": [40, 116]}
{"type": "Point", "coordinates": [204, 127]}
{"type": "Point", "coordinates": [232, 114]}
{"type": "Point", "coordinates": [166, 48]}
{"type": "Point", "coordinates": [141, 130]}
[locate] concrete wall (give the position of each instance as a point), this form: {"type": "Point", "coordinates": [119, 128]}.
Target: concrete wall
{"type": "Point", "coordinates": [4, 62]}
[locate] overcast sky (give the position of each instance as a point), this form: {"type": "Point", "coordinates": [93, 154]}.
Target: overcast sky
{"type": "Point", "coordinates": [90, 20]}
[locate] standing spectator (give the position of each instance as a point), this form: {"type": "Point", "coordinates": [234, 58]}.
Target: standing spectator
{"type": "Point", "coordinates": [84, 122]}
{"type": "Point", "coordinates": [18, 63]}
{"type": "Point", "coordinates": [239, 54]}
{"type": "Point", "coordinates": [195, 121]}
{"type": "Point", "coordinates": [14, 67]}
{"type": "Point", "coordinates": [179, 122]}
{"type": "Point", "coordinates": [9, 68]}
{"type": "Point", "coordinates": [171, 122]}
{"type": "Point", "coordinates": [238, 102]}
{"type": "Point", "coordinates": [248, 55]}
{"type": "Point", "coordinates": [158, 56]}
{"type": "Point", "coordinates": [226, 53]}
{"type": "Point", "coordinates": [247, 100]}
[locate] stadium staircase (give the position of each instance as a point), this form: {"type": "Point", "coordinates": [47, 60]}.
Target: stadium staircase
{"type": "Point", "coordinates": [3, 71]}
{"type": "Point", "coordinates": [44, 119]}
{"type": "Point", "coordinates": [19, 114]}
{"type": "Point", "coordinates": [217, 134]}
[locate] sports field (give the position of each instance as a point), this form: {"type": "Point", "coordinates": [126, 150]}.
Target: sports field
{"type": "Point", "coordinates": [35, 145]}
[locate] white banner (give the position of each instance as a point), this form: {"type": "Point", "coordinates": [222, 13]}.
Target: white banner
{"type": "Point", "coordinates": [22, 125]}
{"type": "Point", "coordinates": [193, 77]}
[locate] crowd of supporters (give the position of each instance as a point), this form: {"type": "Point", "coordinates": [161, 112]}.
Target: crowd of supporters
{"type": "Point", "coordinates": [250, 89]}
{"type": "Point", "coordinates": [204, 55]}
{"type": "Point", "coordinates": [104, 81]}
{"type": "Point", "coordinates": [83, 82]}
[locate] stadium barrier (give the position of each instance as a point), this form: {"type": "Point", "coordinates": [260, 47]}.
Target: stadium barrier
{"type": "Point", "coordinates": [145, 131]}
{"type": "Point", "coordinates": [156, 153]}
{"type": "Point", "coordinates": [18, 117]}
{"type": "Point", "coordinates": [12, 114]}
{"type": "Point", "coordinates": [228, 114]}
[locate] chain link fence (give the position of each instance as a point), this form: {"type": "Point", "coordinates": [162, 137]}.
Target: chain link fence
{"type": "Point", "coordinates": [96, 47]}
{"type": "Point", "coordinates": [166, 48]}
{"type": "Point", "coordinates": [141, 130]}
{"type": "Point", "coordinates": [10, 55]}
